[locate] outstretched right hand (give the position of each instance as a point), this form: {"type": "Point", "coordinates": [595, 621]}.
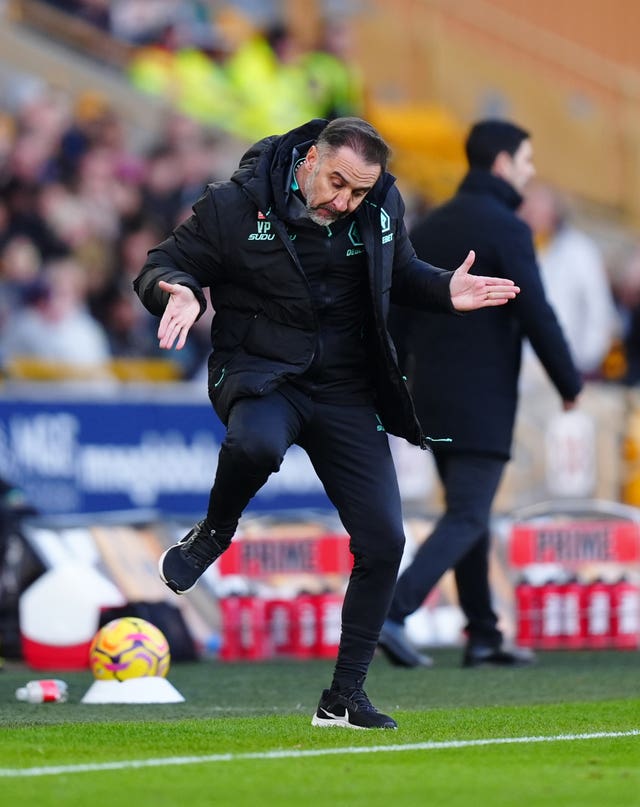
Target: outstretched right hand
{"type": "Point", "coordinates": [179, 315]}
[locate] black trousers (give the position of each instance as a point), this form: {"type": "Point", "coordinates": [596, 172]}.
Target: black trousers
{"type": "Point", "coordinates": [351, 456]}
{"type": "Point", "coordinates": [460, 540]}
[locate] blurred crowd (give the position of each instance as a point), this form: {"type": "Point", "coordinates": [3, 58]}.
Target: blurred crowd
{"type": "Point", "coordinates": [80, 205]}
{"type": "Point", "coordinates": [246, 73]}
{"type": "Point", "coordinates": [593, 285]}
{"type": "Point", "coordinates": [78, 211]}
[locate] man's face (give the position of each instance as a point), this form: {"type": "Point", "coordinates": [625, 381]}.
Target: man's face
{"type": "Point", "coordinates": [519, 169]}
{"type": "Point", "coordinates": [336, 183]}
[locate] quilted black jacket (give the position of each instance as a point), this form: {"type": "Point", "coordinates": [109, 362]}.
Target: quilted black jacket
{"type": "Point", "coordinates": [264, 329]}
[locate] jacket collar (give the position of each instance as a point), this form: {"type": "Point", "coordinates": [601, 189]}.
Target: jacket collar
{"type": "Point", "coordinates": [478, 180]}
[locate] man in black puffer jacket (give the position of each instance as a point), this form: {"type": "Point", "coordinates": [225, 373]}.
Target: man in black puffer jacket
{"type": "Point", "coordinates": [303, 250]}
{"type": "Point", "coordinates": [475, 364]}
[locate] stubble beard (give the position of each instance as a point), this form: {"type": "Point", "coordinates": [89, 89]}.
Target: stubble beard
{"type": "Point", "coordinates": [319, 214]}
{"type": "Point", "coordinates": [323, 215]}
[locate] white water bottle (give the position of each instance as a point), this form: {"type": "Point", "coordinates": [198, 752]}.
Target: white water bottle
{"type": "Point", "coordinates": [49, 690]}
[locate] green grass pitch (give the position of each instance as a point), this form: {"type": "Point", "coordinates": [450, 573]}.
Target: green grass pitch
{"type": "Point", "coordinates": [565, 732]}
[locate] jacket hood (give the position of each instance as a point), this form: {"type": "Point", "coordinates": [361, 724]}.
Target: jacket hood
{"type": "Point", "coordinates": [264, 169]}
{"type": "Point", "coordinates": [478, 180]}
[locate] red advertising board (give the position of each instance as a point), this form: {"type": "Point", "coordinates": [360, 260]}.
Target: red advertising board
{"type": "Point", "coordinates": [256, 557]}
{"type": "Point", "coordinates": [574, 542]}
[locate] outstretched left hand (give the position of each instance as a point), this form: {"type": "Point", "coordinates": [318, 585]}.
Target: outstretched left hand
{"type": "Point", "coordinates": [469, 292]}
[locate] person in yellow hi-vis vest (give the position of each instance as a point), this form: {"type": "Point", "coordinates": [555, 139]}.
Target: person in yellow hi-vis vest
{"type": "Point", "coordinates": [336, 84]}
{"type": "Point", "coordinates": [270, 83]}
{"type": "Point", "coordinates": [192, 81]}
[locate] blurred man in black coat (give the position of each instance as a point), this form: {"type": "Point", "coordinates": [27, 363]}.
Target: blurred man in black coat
{"type": "Point", "coordinates": [464, 371]}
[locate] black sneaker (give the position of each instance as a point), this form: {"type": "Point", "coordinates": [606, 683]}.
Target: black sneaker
{"type": "Point", "coordinates": [350, 709]}
{"type": "Point", "coordinates": [183, 563]}
{"type": "Point", "coordinates": [398, 648]}
{"type": "Point", "coordinates": [478, 655]}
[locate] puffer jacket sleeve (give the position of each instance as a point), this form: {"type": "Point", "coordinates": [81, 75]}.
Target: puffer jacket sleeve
{"type": "Point", "coordinates": [416, 283]}
{"type": "Point", "coordinates": [189, 256]}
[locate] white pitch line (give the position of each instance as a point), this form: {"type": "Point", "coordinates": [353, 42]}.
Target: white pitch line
{"type": "Point", "coordinates": [55, 770]}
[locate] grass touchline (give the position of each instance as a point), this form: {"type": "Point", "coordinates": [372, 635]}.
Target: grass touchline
{"type": "Point", "coordinates": [317, 752]}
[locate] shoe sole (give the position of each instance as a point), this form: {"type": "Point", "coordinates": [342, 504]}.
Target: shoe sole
{"type": "Point", "coordinates": [333, 723]}
{"type": "Point", "coordinates": [469, 665]}
{"type": "Point", "coordinates": [320, 722]}
{"type": "Point", "coordinates": [171, 583]}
